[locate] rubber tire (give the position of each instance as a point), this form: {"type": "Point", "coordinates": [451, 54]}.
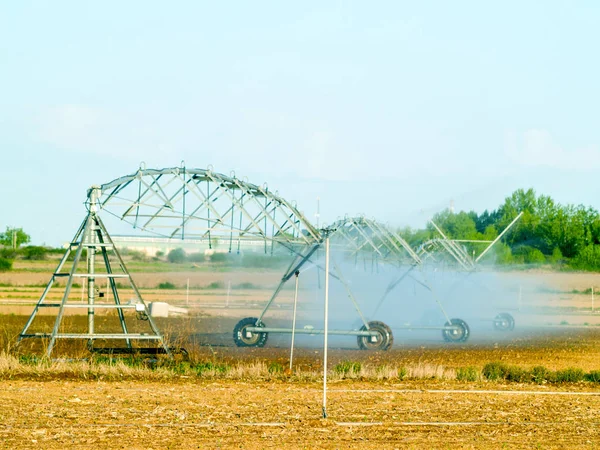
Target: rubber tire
{"type": "Point", "coordinates": [504, 322]}
{"type": "Point", "coordinates": [455, 336]}
{"type": "Point", "coordinates": [257, 339]}
{"type": "Point", "coordinates": [384, 342]}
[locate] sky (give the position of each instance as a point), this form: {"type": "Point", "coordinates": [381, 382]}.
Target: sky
{"type": "Point", "coordinates": [391, 109]}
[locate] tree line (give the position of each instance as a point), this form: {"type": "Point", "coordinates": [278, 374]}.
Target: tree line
{"type": "Point", "coordinates": [564, 236]}
{"type": "Point", "coordinates": [547, 233]}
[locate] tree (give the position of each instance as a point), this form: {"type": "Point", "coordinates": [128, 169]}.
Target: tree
{"type": "Point", "coordinates": [456, 225]}
{"type": "Point", "coordinates": [14, 237]}
{"type": "Point", "coordinates": [176, 255]}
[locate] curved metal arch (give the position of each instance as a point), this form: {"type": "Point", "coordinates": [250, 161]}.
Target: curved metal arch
{"type": "Point", "coordinates": [364, 235]}
{"type": "Point", "coordinates": [180, 202]}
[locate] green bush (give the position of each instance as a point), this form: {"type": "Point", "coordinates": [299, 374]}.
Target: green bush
{"type": "Point", "coordinates": [540, 374]}
{"type": "Point", "coordinates": [495, 370]}
{"type": "Point", "coordinates": [8, 253]}
{"type": "Point", "coordinates": [347, 367]}
{"type": "Point", "coordinates": [166, 285]}
{"type": "Point", "coordinates": [529, 255]}
{"type": "Point", "coordinates": [402, 373]}
{"type": "Point", "coordinates": [176, 256]}
{"type": "Point", "coordinates": [517, 374]}
{"type": "Point", "coordinates": [5, 264]}
{"type": "Point", "coordinates": [34, 253]}
{"type": "Point", "coordinates": [570, 375]}
{"type": "Point", "coordinates": [593, 376]}
{"type": "Point", "coordinates": [275, 367]}
{"type": "Point", "coordinates": [208, 366]}
{"type": "Point", "coordinates": [588, 258]}
{"type": "Point", "coordinates": [534, 256]}
{"type": "Point", "coordinates": [467, 374]}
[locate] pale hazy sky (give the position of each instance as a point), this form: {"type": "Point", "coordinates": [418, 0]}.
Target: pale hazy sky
{"type": "Point", "coordinates": [385, 108]}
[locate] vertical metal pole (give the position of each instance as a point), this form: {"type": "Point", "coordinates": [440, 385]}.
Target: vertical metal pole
{"type": "Point", "coordinates": [592, 298]}
{"type": "Point", "coordinates": [326, 328]}
{"type": "Point", "coordinates": [294, 321]}
{"type": "Point", "coordinates": [91, 256]}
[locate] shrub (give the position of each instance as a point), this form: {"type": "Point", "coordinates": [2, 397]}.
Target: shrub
{"type": "Point", "coordinates": [34, 253]}
{"type": "Point", "coordinates": [176, 256]}
{"type": "Point", "coordinates": [467, 374]}
{"type": "Point", "coordinates": [275, 367]}
{"type": "Point", "coordinates": [588, 258]}
{"type": "Point", "coordinates": [539, 374]}
{"type": "Point", "coordinates": [495, 370]}
{"type": "Point", "coordinates": [570, 375]}
{"type": "Point", "coordinates": [517, 374]}
{"type": "Point", "coordinates": [5, 264]}
{"type": "Point", "coordinates": [402, 373]}
{"type": "Point", "coordinates": [8, 253]}
{"type": "Point", "coordinates": [593, 376]}
{"type": "Point", "coordinates": [534, 256]}
{"type": "Point", "coordinates": [347, 367]}
{"type": "Point", "coordinates": [166, 285]}
{"type": "Point", "coordinates": [209, 366]}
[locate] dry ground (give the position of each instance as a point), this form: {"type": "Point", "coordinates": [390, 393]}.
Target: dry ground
{"type": "Point", "coordinates": [220, 413]}
{"type": "Point", "coordinates": [225, 414]}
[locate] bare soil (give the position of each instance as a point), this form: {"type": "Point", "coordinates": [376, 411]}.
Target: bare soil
{"type": "Point", "coordinates": [200, 414]}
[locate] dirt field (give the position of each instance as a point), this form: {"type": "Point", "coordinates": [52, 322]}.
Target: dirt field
{"type": "Point", "coordinates": [433, 411]}
{"type": "Point", "coordinates": [278, 415]}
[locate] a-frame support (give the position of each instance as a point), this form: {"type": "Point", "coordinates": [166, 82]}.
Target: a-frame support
{"type": "Point", "coordinates": [93, 237]}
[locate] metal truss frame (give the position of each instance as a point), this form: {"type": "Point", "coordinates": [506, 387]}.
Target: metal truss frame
{"type": "Point", "coordinates": [355, 236]}
{"type": "Point", "coordinates": [93, 238]}
{"type": "Point", "coordinates": [181, 202]}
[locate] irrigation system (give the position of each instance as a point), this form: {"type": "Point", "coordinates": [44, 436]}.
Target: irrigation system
{"type": "Point", "coordinates": [190, 203]}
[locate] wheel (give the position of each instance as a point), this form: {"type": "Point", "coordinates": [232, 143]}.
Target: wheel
{"type": "Point", "coordinates": [504, 322]}
{"type": "Point", "coordinates": [382, 341]}
{"type": "Point", "coordinates": [243, 338]}
{"type": "Point", "coordinates": [459, 334]}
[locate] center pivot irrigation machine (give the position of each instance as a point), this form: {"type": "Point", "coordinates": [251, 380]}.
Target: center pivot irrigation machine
{"type": "Point", "coordinates": [354, 238]}
{"type": "Point", "coordinates": [184, 203]}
